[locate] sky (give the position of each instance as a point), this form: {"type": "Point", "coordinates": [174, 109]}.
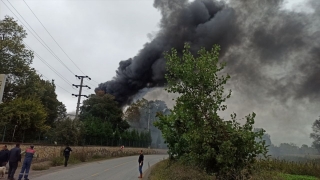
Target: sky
{"type": "Point", "coordinates": [96, 36]}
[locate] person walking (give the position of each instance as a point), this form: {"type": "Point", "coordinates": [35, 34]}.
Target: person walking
{"type": "Point", "coordinates": [14, 159]}
{"type": "Point", "coordinates": [30, 153]}
{"type": "Point", "coordinates": [4, 156]}
{"type": "Point", "coordinates": [66, 154]}
{"type": "Point", "coordinates": [140, 160]}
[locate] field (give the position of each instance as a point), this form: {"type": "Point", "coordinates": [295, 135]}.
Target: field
{"type": "Point", "coordinates": [275, 169]}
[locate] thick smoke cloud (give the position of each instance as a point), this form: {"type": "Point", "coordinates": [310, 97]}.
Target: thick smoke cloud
{"type": "Point", "coordinates": [270, 52]}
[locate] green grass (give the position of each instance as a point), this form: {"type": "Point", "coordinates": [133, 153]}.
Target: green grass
{"type": "Point", "coordinates": [165, 170]}
{"type": "Point", "coordinates": [308, 168]}
{"type": "Point", "coordinates": [271, 169]}
{"type": "Point", "coordinates": [297, 177]}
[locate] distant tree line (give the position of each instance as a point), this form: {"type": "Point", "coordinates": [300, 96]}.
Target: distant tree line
{"type": "Point", "coordinates": [287, 149]}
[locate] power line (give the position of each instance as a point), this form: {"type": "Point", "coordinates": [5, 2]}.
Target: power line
{"type": "Point", "coordinates": [47, 64]}
{"type": "Point", "coordinates": [55, 40]}
{"type": "Point", "coordinates": [52, 37]}
{"type": "Point", "coordinates": [91, 84]}
{"type": "Point", "coordinates": [95, 81]}
{"type": "Point", "coordinates": [55, 83]}
{"type": "Point", "coordinates": [44, 44]}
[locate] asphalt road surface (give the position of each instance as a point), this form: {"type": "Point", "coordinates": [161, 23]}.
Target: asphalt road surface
{"type": "Point", "coordinates": [125, 168]}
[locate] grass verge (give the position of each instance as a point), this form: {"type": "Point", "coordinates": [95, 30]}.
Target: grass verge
{"type": "Point", "coordinates": [297, 177]}
{"type": "Point", "coordinates": [177, 171]}
{"type": "Point", "coordinates": [265, 170]}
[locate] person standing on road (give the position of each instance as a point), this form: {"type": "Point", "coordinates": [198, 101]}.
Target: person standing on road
{"type": "Point", "coordinates": [140, 160]}
{"type": "Point", "coordinates": [66, 154]}
{"type": "Point", "coordinates": [4, 156]}
{"type": "Point", "coordinates": [14, 159]}
{"type": "Point", "coordinates": [30, 154]}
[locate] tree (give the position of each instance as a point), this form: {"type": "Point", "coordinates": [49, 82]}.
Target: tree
{"type": "Point", "coordinates": [97, 131]}
{"type": "Point", "coordinates": [23, 81]}
{"type": "Point", "coordinates": [316, 134]}
{"type": "Point", "coordinates": [133, 113]}
{"type": "Point", "coordinates": [106, 109]}
{"type": "Point", "coordinates": [15, 59]}
{"type": "Point", "coordinates": [54, 108]}
{"type": "Point", "coordinates": [193, 131]}
{"type": "Point", "coordinates": [67, 131]}
{"type": "Point", "coordinates": [25, 115]}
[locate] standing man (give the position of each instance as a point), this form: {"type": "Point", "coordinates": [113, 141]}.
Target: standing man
{"type": "Point", "coordinates": [30, 153]}
{"type": "Point", "coordinates": [140, 160]}
{"type": "Point", "coordinates": [14, 159]}
{"type": "Point", "coordinates": [4, 156]}
{"type": "Point", "coordinates": [66, 154]}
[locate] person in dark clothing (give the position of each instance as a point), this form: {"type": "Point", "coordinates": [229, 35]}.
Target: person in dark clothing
{"type": "Point", "coordinates": [140, 160]}
{"type": "Point", "coordinates": [4, 156]}
{"type": "Point", "coordinates": [66, 154]}
{"type": "Point", "coordinates": [14, 159]}
{"type": "Point", "coordinates": [30, 154]}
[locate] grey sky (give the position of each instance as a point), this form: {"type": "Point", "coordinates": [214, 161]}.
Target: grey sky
{"type": "Point", "coordinates": [97, 35]}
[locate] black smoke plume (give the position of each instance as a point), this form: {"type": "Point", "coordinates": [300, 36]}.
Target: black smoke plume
{"type": "Point", "coordinates": [268, 49]}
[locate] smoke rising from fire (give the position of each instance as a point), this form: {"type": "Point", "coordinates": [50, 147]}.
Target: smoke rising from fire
{"type": "Point", "coordinates": [268, 49]}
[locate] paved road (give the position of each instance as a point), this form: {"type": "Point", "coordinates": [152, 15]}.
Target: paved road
{"type": "Point", "coordinates": [125, 168]}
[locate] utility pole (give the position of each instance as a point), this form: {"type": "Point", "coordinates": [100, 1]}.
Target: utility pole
{"type": "Point", "coordinates": [80, 91]}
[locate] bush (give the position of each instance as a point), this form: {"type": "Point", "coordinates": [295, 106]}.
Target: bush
{"type": "Point", "coordinates": [193, 131]}
{"type": "Point", "coordinates": [78, 157]}
{"type": "Point", "coordinates": [57, 161]}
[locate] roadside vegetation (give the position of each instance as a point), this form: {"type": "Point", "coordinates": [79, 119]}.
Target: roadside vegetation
{"type": "Point", "coordinates": [202, 145]}
{"type": "Point", "coordinates": [75, 158]}
{"type": "Point", "coordinates": [264, 170]}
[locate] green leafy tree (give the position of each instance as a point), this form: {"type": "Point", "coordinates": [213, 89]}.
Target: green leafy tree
{"type": "Point", "coordinates": [67, 131]}
{"type": "Point", "coordinates": [26, 115]}
{"type": "Point", "coordinates": [61, 111]}
{"type": "Point", "coordinates": [193, 131]}
{"type": "Point", "coordinates": [106, 109]}
{"type": "Point", "coordinates": [97, 131]}
{"type": "Point", "coordinates": [15, 60]}
{"type": "Point", "coordinates": [315, 135]}
{"type": "Point", "coordinates": [23, 81]}
{"type": "Point", "coordinates": [54, 108]}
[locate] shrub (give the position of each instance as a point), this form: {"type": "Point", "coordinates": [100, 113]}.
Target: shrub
{"type": "Point", "coordinates": [57, 161]}
{"type": "Point", "coordinates": [193, 131]}
{"type": "Point", "coordinates": [78, 157]}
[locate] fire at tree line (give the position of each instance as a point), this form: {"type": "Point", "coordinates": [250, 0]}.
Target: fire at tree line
{"type": "Point", "coordinates": [31, 112]}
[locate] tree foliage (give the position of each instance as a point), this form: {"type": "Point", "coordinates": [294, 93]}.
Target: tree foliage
{"type": "Point", "coordinates": [24, 84]}
{"type": "Point", "coordinates": [105, 108]}
{"type": "Point", "coordinates": [316, 134]}
{"type": "Point", "coordinates": [27, 114]}
{"type": "Point", "coordinates": [194, 131]}
{"type": "Point", "coordinates": [15, 60]}
{"type": "Point", "coordinates": [67, 131]}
